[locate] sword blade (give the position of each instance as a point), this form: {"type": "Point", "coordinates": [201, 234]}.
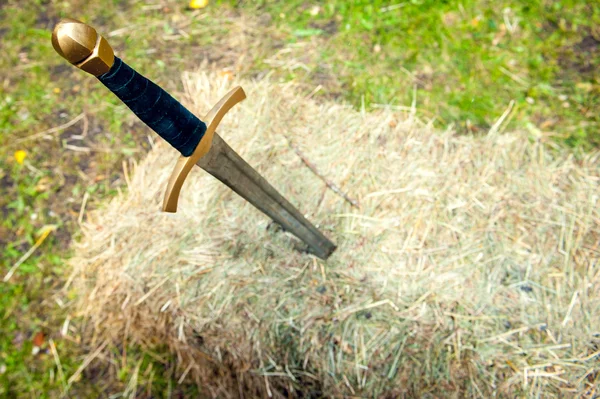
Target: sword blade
{"type": "Point", "coordinates": [227, 166]}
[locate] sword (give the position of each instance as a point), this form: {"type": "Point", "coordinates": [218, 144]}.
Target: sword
{"type": "Point", "coordinates": [197, 141]}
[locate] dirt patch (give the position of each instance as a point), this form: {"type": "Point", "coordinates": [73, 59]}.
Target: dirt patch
{"type": "Point", "coordinates": [61, 70]}
{"type": "Point", "coordinates": [329, 27]}
{"type": "Point", "coordinates": [47, 16]}
{"type": "Point", "coordinates": [588, 51]}
{"type": "Point", "coordinates": [589, 43]}
{"type": "Point", "coordinates": [323, 76]}
{"type": "Point", "coordinates": [580, 60]}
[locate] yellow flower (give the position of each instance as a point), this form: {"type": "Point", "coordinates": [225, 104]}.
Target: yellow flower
{"type": "Point", "coordinates": [198, 3]}
{"type": "Point", "coordinates": [20, 156]}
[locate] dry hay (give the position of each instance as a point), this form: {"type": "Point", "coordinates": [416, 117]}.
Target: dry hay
{"type": "Point", "coordinates": [470, 269]}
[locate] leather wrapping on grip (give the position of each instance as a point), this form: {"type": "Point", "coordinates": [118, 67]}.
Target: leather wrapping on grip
{"type": "Point", "coordinates": [155, 107]}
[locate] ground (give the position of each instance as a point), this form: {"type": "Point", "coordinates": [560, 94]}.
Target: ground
{"type": "Point", "coordinates": [463, 65]}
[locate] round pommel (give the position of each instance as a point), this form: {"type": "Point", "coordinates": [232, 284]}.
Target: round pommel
{"type": "Point", "coordinates": [82, 46]}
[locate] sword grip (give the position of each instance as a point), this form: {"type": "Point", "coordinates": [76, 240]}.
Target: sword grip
{"type": "Point", "coordinates": [155, 107]}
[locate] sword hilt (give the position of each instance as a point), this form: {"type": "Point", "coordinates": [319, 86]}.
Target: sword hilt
{"type": "Point", "coordinates": [83, 47]}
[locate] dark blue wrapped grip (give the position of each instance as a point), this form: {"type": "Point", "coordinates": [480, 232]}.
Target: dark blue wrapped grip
{"type": "Point", "coordinates": [155, 107]}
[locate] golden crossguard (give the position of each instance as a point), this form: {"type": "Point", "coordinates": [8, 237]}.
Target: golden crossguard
{"type": "Point", "coordinates": [197, 141]}
{"type": "Point", "coordinates": [184, 164]}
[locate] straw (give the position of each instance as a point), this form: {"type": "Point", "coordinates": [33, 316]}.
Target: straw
{"type": "Point", "coordinates": [470, 269]}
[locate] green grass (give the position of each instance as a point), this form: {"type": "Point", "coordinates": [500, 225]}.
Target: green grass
{"type": "Point", "coordinates": [468, 59]}
{"type": "Point", "coordinates": [40, 91]}
{"type": "Point", "coordinates": [466, 66]}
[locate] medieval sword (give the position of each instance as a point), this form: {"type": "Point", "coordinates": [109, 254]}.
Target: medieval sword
{"type": "Point", "coordinates": [197, 141]}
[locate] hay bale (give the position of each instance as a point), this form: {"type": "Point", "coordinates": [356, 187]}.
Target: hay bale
{"type": "Point", "coordinates": [470, 269]}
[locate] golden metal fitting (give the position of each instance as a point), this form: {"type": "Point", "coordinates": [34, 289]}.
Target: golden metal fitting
{"type": "Point", "coordinates": [184, 164]}
{"type": "Point", "coordinates": [82, 46]}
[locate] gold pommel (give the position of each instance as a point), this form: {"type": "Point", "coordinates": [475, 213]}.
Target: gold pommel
{"type": "Point", "coordinates": [82, 46]}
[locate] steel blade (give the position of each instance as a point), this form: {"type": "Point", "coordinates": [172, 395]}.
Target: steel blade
{"type": "Point", "coordinates": [227, 166]}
